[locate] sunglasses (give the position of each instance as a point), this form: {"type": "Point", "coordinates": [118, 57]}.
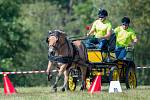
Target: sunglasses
{"type": "Point", "coordinates": [125, 24]}
{"type": "Point", "coordinates": [101, 17]}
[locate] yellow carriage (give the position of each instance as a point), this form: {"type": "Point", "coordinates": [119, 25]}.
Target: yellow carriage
{"type": "Point", "coordinates": [110, 68]}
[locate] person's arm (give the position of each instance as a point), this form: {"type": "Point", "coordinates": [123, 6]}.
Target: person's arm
{"type": "Point", "coordinates": [107, 36]}
{"type": "Point", "coordinates": [90, 32]}
{"type": "Point", "coordinates": [92, 29]}
{"type": "Point", "coordinates": [134, 39]}
{"type": "Point", "coordinates": [108, 32]}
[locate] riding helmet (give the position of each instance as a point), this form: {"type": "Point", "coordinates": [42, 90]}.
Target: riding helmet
{"type": "Point", "coordinates": [102, 13]}
{"type": "Point", "coordinates": [125, 20]}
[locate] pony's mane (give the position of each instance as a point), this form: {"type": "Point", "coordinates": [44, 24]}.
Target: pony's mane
{"type": "Point", "coordinates": [57, 32]}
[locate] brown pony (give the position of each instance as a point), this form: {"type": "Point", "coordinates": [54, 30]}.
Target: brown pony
{"type": "Point", "coordinates": [66, 53]}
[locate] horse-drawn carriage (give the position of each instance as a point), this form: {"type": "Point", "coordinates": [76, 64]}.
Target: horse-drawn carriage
{"type": "Point", "coordinates": [75, 59]}
{"type": "Point", "coordinates": [104, 63]}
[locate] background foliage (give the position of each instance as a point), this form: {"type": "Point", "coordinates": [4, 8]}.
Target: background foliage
{"type": "Point", "coordinates": [24, 25]}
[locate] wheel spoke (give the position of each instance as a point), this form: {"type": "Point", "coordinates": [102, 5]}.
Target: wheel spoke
{"type": "Point", "coordinates": [132, 79]}
{"type": "Point", "coordinates": [115, 75]}
{"type": "Point", "coordinates": [71, 83]}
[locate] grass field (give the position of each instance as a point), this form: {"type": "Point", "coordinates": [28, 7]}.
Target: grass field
{"type": "Point", "coordinates": [44, 93]}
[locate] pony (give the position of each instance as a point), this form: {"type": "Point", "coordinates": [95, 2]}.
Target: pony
{"type": "Point", "coordinates": [66, 53]}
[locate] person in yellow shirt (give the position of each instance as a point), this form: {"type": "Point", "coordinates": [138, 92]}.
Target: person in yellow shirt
{"type": "Point", "coordinates": [101, 29]}
{"type": "Point", "coordinates": [125, 37]}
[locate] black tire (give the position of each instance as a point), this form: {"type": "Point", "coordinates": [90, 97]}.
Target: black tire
{"type": "Point", "coordinates": [131, 80]}
{"type": "Point", "coordinates": [114, 74]}
{"type": "Point", "coordinates": [72, 80]}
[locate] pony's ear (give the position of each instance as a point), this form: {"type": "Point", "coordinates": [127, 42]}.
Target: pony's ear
{"type": "Point", "coordinates": [60, 32]}
{"type": "Point", "coordinates": [64, 34]}
{"type": "Point", "coordinates": [49, 32]}
{"type": "Point", "coordinates": [47, 40]}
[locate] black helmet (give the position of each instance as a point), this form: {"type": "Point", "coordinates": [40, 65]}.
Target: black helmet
{"type": "Point", "coordinates": [125, 20]}
{"type": "Point", "coordinates": [102, 13]}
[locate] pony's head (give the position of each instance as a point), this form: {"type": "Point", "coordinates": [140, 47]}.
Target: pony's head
{"type": "Point", "coordinates": [55, 40]}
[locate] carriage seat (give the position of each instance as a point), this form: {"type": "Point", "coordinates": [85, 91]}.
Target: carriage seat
{"type": "Point", "coordinates": [110, 47]}
{"type": "Point", "coordinates": [105, 54]}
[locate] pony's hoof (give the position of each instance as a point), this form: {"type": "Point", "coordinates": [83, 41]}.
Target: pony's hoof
{"type": "Point", "coordinates": [82, 88]}
{"type": "Point", "coordinates": [63, 89]}
{"type": "Point", "coordinates": [49, 77]}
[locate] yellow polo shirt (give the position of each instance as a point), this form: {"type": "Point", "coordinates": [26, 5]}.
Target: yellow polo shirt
{"type": "Point", "coordinates": [101, 28]}
{"type": "Point", "coordinates": [124, 37]}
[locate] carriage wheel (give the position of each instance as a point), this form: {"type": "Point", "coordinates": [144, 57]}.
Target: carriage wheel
{"type": "Point", "coordinates": [131, 81]}
{"type": "Point", "coordinates": [114, 74]}
{"type": "Point", "coordinates": [71, 81]}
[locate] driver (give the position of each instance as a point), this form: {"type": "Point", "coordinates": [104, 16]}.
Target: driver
{"type": "Point", "coordinates": [101, 29]}
{"type": "Point", "coordinates": [126, 37]}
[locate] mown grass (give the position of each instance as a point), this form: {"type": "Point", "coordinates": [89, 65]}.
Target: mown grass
{"type": "Point", "coordinates": [45, 93]}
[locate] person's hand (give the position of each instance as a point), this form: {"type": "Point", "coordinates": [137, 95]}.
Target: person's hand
{"type": "Point", "coordinates": [132, 45]}
{"type": "Point", "coordinates": [87, 34]}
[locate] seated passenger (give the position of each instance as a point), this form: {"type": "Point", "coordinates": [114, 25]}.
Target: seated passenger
{"type": "Point", "coordinates": [101, 29]}
{"type": "Point", "coordinates": [125, 37]}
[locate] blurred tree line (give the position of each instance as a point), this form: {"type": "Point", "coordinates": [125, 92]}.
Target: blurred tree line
{"type": "Point", "coordinates": [24, 25]}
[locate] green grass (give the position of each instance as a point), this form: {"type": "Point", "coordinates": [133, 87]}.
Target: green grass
{"type": "Point", "coordinates": [44, 93]}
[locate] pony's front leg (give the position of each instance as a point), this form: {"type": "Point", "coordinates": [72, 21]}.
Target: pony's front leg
{"type": "Point", "coordinates": [65, 80]}
{"type": "Point", "coordinates": [49, 67]}
{"type": "Point", "coordinates": [48, 70]}
{"type": "Point", "coordinates": [61, 70]}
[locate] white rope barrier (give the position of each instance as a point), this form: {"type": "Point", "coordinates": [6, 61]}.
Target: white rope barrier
{"type": "Point", "coordinates": [142, 67]}
{"type": "Point", "coordinates": [26, 72]}
{"type": "Point", "coordinates": [43, 71]}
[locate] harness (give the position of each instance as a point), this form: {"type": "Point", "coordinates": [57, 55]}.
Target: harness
{"type": "Point", "coordinates": [64, 59]}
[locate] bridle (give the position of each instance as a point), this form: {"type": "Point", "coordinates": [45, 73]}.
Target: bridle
{"type": "Point", "coordinates": [55, 57]}
{"type": "Point", "coordinates": [57, 44]}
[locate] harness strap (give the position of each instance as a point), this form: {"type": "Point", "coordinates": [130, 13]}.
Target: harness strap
{"type": "Point", "coordinates": [75, 51]}
{"type": "Point", "coordinates": [65, 59]}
